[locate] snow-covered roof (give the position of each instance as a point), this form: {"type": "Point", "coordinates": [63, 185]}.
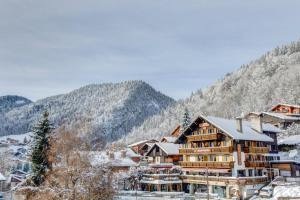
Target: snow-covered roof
{"type": "Point", "coordinates": [281, 116]}
{"type": "Point", "coordinates": [228, 126]}
{"type": "Point", "coordinates": [168, 148]}
{"type": "Point", "coordinates": [2, 178]}
{"type": "Point", "coordinates": [130, 153]}
{"type": "Point", "coordinates": [169, 139]}
{"type": "Point", "coordinates": [291, 140]}
{"type": "Point", "coordinates": [285, 104]}
{"type": "Point", "coordinates": [141, 142]}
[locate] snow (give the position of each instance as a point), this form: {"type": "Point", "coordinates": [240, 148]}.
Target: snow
{"type": "Point", "coordinates": [100, 158]}
{"type": "Point", "coordinates": [20, 137]}
{"type": "Point", "coordinates": [169, 139]}
{"type": "Point", "coordinates": [2, 178]}
{"type": "Point", "coordinates": [286, 191]}
{"type": "Point", "coordinates": [140, 142]}
{"type": "Point", "coordinates": [20, 102]}
{"type": "Point", "coordinates": [281, 116]}
{"type": "Point", "coordinates": [290, 140]}
{"type": "Point", "coordinates": [168, 148]}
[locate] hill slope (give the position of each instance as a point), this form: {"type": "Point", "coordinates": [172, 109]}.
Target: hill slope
{"type": "Point", "coordinates": [271, 79]}
{"type": "Point", "coordinates": [10, 102]}
{"type": "Point", "coordinates": [108, 110]}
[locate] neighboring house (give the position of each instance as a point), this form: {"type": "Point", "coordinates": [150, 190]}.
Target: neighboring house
{"type": "Point", "coordinates": [235, 154]}
{"type": "Point", "coordinates": [137, 146]}
{"type": "Point", "coordinates": [280, 115]}
{"type": "Point", "coordinates": [176, 131]}
{"type": "Point", "coordinates": [162, 174]}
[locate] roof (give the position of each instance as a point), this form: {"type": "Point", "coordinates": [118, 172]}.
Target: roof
{"type": "Point", "coordinates": [285, 104]}
{"type": "Point", "coordinates": [281, 116]}
{"type": "Point", "coordinates": [142, 142]}
{"type": "Point", "coordinates": [168, 148]}
{"type": "Point", "coordinates": [2, 178]}
{"type": "Point", "coordinates": [169, 139]}
{"type": "Point", "coordinates": [291, 140]}
{"type": "Point", "coordinates": [176, 130]}
{"type": "Point", "coordinates": [130, 153]}
{"type": "Point", "coordinates": [228, 126]}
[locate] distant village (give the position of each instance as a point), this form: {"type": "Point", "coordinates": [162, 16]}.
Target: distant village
{"type": "Point", "coordinates": [209, 158]}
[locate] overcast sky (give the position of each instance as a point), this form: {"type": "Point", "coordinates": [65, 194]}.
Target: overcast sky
{"type": "Point", "coordinates": [53, 47]}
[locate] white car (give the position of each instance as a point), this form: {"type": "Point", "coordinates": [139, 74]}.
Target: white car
{"type": "Point", "coordinates": [266, 192]}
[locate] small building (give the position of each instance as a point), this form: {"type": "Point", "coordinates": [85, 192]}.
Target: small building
{"type": "Point", "coordinates": [162, 174]}
{"type": "Point", "coordinates": [176, 131]}
{"type": "Point", "coordinates": [137, 146]}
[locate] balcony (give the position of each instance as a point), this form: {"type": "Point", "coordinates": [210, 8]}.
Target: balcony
{"type": "Point", "coordinates": [206, 150]}
{"type": "Point", "coordinates": [257, 164]}
{"type": "Point", "coordinates": [258, 150]}
{"type": "Point", "coordinates": [226, 180]}
{"type": "Point", "coordinates": [209, 164]}
{"type": "Point", "coordinates": [204, 137]}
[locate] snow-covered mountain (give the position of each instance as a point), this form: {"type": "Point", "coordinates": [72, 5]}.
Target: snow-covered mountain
{"type": "Point", "coordinates": [10, 102]}
{"type": "Point", "coordinates": [109, 111]}
{"type": "Point", "coordinates": [273, 78]}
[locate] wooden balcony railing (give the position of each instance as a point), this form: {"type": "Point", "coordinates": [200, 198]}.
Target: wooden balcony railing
{"type": "Point", "coordinates": [205, 150]}
{"type": "Point", "coordinates": [256, 164]}
{"type": "Point", "coordinates": [226, 180]}
{"type": "Point", "coordinates": [210, 164]}
{"type": "Point", "coordinates": [258, 150]}
{"type": "Point", "coordinates": [204, 137]}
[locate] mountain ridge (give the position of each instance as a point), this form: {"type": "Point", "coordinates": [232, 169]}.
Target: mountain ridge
{"type": "Point", "coordinates": [272, 78]}
{"type": "Point", "coordinates": [102, 107]}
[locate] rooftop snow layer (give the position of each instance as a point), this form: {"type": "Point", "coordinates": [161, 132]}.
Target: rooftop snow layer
{"type": "Point", "coordinates": [168, 148]}
{"type": "Point", "coordinates": [229, 127]}
{"type": "Point", "coordinates": [281, 116]}
{"type": "Point", "coordinates": [291, 140]}
{"type": "Point", "coordinates": [170, 139]}
{"type": "Point", "coordinates": [2, 178]}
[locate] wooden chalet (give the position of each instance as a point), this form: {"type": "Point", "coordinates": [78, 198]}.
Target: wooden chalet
{"type": "Point", "coordinates": [137, 146]}
{"type": "Point", "coordinates": [162, 174]}
{"type": "Point", "coordinates": [231, 155]}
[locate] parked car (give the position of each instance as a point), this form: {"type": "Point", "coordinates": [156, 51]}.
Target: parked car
{"type": "Point", "coordinates": [266, 192]}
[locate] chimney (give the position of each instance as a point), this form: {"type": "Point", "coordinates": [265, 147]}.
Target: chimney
{"type": "Point", "coordinates": [111, 155]}
{"type": "Point", "coordinates": [256, 123]}
{"type": "Point", "coordinates": [123, 153]}
{"type": "Point", "coordinates": [239, 124]}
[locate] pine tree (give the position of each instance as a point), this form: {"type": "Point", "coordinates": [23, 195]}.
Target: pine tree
{"type": "Point", "coordinates": [39, 149]}
{"type": "Point", "coordinates": [186, 119]}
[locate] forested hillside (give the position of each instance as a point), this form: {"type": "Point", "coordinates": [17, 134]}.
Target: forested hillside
{"type": "Point", "coordinates": [107, 111]}
{"type": "Point", "coordinates": [273, 78]}
{"type": "Point", "coordinates": [10, 102]}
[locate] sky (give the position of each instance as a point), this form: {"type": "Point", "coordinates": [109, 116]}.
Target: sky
{"type": "Point", "coordinates": [53, 47]}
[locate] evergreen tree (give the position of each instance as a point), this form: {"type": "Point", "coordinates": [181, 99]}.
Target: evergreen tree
{"type": "Point", "coordinates": [186, 119]}
{"type": "Point", "coordinates": [39, 149]}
